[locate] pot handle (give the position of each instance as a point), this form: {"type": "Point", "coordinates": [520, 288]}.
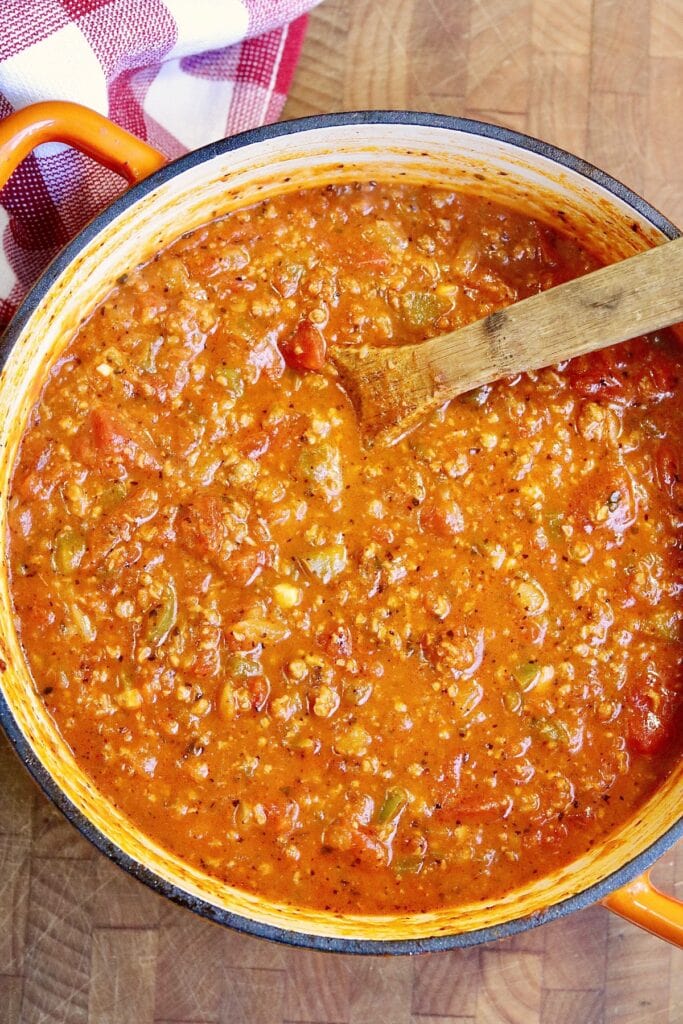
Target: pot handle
{"type": "Point", "coordinates": [643, 904]}
{"type": "Point", "coordinates": [77, 126]}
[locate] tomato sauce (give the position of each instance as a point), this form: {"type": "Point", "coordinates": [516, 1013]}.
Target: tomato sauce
{"type": "Point", "coordinates": [370, 681]}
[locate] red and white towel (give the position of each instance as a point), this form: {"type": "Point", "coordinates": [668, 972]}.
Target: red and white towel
{"type": "Point", "coordinates": [178, 73]}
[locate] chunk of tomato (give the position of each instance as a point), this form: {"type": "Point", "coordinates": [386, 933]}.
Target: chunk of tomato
{"type": "Point", "coordinates": [255, 443]}
{"type": "Point", "coordinates": [305, 348]}
{"type": "Point", "coordinates": [660, 371]}
{"type": "Point", "coordinates": [201, 527]}
{"type": "Point", "coordinates": [205, 529]}
{"type": "Point", "coordinates": [359, 841]}
{"type": "Point", "coordinates": [668, 474]}
{"type": "Point", "coordinates": [259, 691]}
{"type": "Point", "coordinates": [442, 519]}
{"type": "Point", "coordinates": [458, 805]}
{"type": "Point", "coordinates": [597, 376]}
{"type": "Point", "coordinates": [651, 717]}
{"type": "Point", "coordinates": [371, 256]}
{"type": "Point", "coordinates": [119, 525]}
{"type": "Point", "coordinates": [606, 498]}
{"type": "Point", "coordinates": [109, 438]}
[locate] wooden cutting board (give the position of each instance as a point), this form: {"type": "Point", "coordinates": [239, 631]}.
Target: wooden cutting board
{"type": "Point", "coordinates": [80, 942]}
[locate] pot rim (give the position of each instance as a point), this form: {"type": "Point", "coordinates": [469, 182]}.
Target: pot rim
{"type": "Point", "coordinates": [579, 901]}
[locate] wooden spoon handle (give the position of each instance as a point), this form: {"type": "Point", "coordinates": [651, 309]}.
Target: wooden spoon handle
{"type": "Point", "coordinates": [619, 302]}
{"type": "Point", "coordinates": [392, 388]}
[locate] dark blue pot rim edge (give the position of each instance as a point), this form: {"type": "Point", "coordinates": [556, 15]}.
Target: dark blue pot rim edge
{"type": "Point", "coordinates": [49, 786]}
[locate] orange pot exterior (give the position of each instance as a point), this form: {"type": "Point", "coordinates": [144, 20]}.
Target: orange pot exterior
{"type": "Point", "coordinates": [639, 901]}
{"type": "Point", "coordinates": [643, 904]}
{"type": "Point", "coordinates": [84, 129]}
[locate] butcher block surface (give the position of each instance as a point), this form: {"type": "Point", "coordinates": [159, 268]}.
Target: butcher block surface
{"type": "Point", "coordinates": [80, 941]}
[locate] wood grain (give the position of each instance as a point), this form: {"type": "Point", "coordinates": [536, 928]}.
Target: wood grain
{"type": "Point", "coordinates": [252, 994]}
{"type": "Point", "coordinates": [82, 942]}
{"type": "Point", "coordinates": [190, 966]}
{"type": "Point", "coordinates": [318, 990]}
{"type": "Point", "coordinates": [15, 864]}
{"type": "Point", "coordinates": [11, 991]}
{"type": "Point", "coordinates": [569, 1004]}
{"type": "Point", "coordinates": [122, 975]}
{"type": "Point", "coordinates": [499, 55]}
{"type": "Point", "coordinates": [446, 985]}
{"type": "Point", "coordinates": [57, 964]}
{"type": "Point", "coordinates": [381, 991]}
{"type": "Point", "coordinates": [392, 388]}
{"type": "Point", "coordinates": [509, 987]}
{"type": "Point", "coordinates": [620, 47]}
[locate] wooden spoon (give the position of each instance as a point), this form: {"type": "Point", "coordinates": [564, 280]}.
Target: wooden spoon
{"type": "Point", "coordinates": [393, 388]}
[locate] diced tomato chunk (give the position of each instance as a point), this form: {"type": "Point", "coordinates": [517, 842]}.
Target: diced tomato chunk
{"type": "Point", "coordinates": [283, 817]}
{"type": "Point", "coordinates": [668, 475]}
{"type": "Point", "coordinates": [596, 375]}
{"type": "Point", "coordinates": [107, 433]}
{"type": "Point", "coordinates": [371, 256]}
{"type": "Point", "coordinates": [246, 564]}
{"type": "Point", "coordinates": [256, 442]}
{"type": "Point", "coordinates": [457, 806]}
{"type": "Point", "coordinates": [285, 279]}
{"type": "Point", "coordinates": [360, 841]}
{"type": "Point", "coordinates": [651, 717]}
{"type": "Point", "coordinates": [201, 527]}
{"type": "Point", "coordinates": [660, 371]}
{"type": "Point", "coordinates": [206, 663]}
{"type": "Point", "coordinates": [119, 526]}
{"type": "Point", "coordinates": [205, 529]}
{"type": "Point", "coordinates": [606, 498]}
{"type": "Point", "coordinates": [41, 482]}
{"type": "Point", "coordinates": [305, 348]}
{"type": "Point", "coordinates": [443, 520]}
{"type": "Point", "coordinates": [259, 690]}
{"type": "Point", "coordinates": [109, 437]}
{"type": "Point", "coordinates": [650, 373]}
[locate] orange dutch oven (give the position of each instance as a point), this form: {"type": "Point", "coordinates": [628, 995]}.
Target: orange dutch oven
{"type": "Point", "coordinates": [168, 199]}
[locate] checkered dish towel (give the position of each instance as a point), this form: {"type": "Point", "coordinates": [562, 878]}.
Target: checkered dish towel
{"type": "Point", "coordinates": [178, 73]}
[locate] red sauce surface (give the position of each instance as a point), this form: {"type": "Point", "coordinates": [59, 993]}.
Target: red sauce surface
{"type": "Point", "coordinates": [367, 681]}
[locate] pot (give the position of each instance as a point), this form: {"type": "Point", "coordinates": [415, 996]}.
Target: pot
{"type": "Point", "coordinates": [167, 199]}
